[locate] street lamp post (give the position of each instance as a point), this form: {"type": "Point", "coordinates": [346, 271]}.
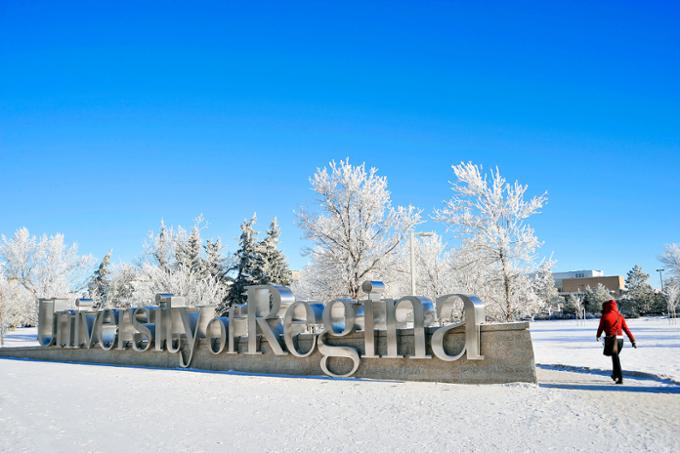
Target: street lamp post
{"type": "Point", "coordinates": [412, 244]}
{"type": "Point", "coordinates": [660, 271]}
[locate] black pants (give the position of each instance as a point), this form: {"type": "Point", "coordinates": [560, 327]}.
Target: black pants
{"type": "Point", "coordinates": [616, 362]}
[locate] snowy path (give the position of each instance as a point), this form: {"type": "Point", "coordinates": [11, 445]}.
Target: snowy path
{"type": "Point", "coordinates": [66, 407]}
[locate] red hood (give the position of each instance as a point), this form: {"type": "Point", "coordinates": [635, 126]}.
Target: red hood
{"type": "Point", "coordinates": [610, 306]}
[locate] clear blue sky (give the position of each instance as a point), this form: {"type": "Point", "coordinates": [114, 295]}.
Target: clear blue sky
{"type": "Point", "coordinates": [114, 115]}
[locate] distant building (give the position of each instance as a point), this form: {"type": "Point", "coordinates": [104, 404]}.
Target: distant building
{"type": "Point", "coordinates": [588, 273]}
{"type": "Point", "coordinates": [576, 282]}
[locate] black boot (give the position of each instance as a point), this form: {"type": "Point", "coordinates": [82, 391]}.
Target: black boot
{"type": "Point", "coordinates": [619, 381]}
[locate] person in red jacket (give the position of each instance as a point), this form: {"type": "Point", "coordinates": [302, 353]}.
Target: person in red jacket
{"type": "Point", "coordinates": [613, 324]}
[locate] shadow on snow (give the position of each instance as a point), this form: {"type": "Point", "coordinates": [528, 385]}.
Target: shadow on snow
{"type": "Point", "coordinates": [613, 388]}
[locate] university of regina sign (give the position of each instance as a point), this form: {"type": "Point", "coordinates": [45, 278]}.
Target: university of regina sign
{"type": "Point", "coordinates": [271, 315]}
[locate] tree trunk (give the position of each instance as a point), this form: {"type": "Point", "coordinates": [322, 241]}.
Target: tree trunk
{"type": "Point", "coordinates": [506, 288]}
{"type": "Point", "coordinates": [354, 289]}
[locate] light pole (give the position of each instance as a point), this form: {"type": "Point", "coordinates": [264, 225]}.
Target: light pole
{"type": "Point", "coordinates": [412, 243]}
{"type": "Point", "coordinates": [660, 271]}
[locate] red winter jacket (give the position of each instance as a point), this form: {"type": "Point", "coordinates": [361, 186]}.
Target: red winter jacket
{"type": "Point", "coordinates": [612, 321]}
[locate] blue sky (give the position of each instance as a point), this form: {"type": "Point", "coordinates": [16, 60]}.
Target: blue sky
{"type": "Point", "coordinates": [114, 115]}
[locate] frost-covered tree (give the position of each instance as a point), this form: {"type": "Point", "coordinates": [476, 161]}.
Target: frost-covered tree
{"type": "Point", "coordinates": [180, 246]}
{"type": "Point", "coordinates": [193, 251]}
{"type": "Point", "coordinates": [43, 266]}
{"type": "Point", "coordinates": [275, 265]}
{"type": "Point", "coordinates": [356, 228]}
{"type": "Point", "coordinates": [249, 266]}
{"type": "Point", "coordinates": [639, 297]}
{"type": "Point", "coordinates": [161, 246]}
{"type": "Point", "coordinates": [177, 266]}
{"type": "Point", "coordinates": [472, 275]}
{"type": "Point", "coordinates": [196, 287]}
{"type": "Point", "coordinates": [671, 260]}
{"type": "Point", "coordinates": [6, 308]}
{"type": "Point", "coordinates": [434, 276]}
{"type": "Point", "coordinates": [161, 249]}
{"type": "Point", "coordinates": [15, 303]}
{"type": "Point", "coordinates": [672, 297]}
{"type": "Point", "coordinates": [544, 284]}
{"type": "Point", "coordinates": [123, 283]}
{"type": "Point", "coordinates": [315, 282]}
{"type": "Point", "coordinates": [574, 305]}
{"type": "Point", "coordinates": [490, 216]}
{"type": "Point", "coordinates": [595, 297]}
{"type": "Point", "coordinates": [185, 246]}
{"type": "Point", "coordinates": [100, 284]}
{"type": "Point", "coordinates": [188, 246]}
{"type": "Point", "coordinates": [215, 261]}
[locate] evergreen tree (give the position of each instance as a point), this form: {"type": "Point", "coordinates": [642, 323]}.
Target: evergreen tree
{"type": "Point", "coordinates": [193, 251]}
{"type": "Point", "coordinates": [181, 246]}
{"type": "Point", "coordinates": [257, 263]}
{"type": "Point", "coordinates": [276, 268]}
{"type": "Point", "coordinates": [100, 283]}
{"type": "Point", "coordinates": [122, 286]}
{"type": "Point", "coordinates": [214, 263]}
{"type": "Point", "coordinates": [161, 247]}
{"type": "Point", "coordinates": [249, 266]}
{"type": "Point", "coordinates": [639, 298]}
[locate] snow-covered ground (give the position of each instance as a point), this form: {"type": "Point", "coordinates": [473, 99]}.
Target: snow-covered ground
{"type": "Point", "coordinates": [25, 336]}
{"type": "Point", "coordinates": [573, 343]}
{"type": "Point", "coordinates": [70, 407]}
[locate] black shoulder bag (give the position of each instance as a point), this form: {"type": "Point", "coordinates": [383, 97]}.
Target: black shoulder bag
{"type": "Point", "coordinates": [611, 345]}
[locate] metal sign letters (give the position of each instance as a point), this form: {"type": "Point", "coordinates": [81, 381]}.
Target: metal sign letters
{"type": "Point", "coordinates": [272, 316]}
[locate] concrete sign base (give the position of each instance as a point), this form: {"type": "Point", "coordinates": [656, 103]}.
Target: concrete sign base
{"type": "Point", "coordinates": [507, 350]}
